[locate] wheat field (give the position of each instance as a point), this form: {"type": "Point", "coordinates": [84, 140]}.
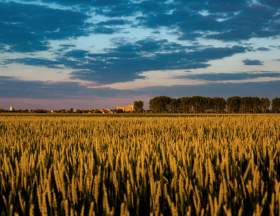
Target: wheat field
{"type": "Point", "coordinates": [226, 165]}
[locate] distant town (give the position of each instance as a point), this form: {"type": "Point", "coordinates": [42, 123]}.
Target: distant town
{"type": "Point", "coordinates": [194, 104]}
{"type": "Point", "coordinates": [119, 109]}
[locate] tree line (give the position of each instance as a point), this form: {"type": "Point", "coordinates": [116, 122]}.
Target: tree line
{"type": "Point", "coordinates": [199, 104]}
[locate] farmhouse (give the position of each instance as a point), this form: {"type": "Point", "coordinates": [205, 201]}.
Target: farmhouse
{"type": "Point", "coordinates": [128, 108]}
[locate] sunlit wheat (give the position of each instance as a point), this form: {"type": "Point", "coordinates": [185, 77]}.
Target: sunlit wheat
{"type": "Point", "coordinates": [226, 165]}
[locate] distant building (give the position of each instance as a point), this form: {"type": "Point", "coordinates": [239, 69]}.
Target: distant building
{"type": "Point", "coordinates": [12, 109]}
{"type": "Point", "coordinates": [121, 108]}
{"type": "Point", "coordinates": [128, 108]}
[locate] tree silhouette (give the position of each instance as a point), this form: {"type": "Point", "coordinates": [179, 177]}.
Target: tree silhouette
{"type": "Point", "coordinates": [173, 105]}
{"type": "Point", "coordinates": [138, 106]}
{"type": "Point", "coordinates": [160, 104]}
{"type": "Point", "coordinates": [265, 104]}
{"type": "Point", "coordinates": [256, 102]}
{"type": "Point", "coordinates": [185, 104]}
{"type": "Point", "coordinates": [233, 104]}
{"type": "Point", "coordinates": [276, 104]}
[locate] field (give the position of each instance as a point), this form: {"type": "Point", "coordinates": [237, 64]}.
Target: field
{"type": "Point", "coordinates": [192, 165]}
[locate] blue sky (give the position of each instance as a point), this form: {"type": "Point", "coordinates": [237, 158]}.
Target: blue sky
{"type": "Point", "coordinates": [58, 54]}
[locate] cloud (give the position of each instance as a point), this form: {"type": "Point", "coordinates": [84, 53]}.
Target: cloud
{"type": "Point", "coordinates": [189, 20]}
{"type": "Point", "coordinates": [128, 60]}
{"type": "Point", "coordinates": [156, 32]}
{"type": "Point", "coordinates": [186, 20]}
{"type": "Point", "coordinates": [108, 26]}
{"type": "Point", "coordinates": [65, 47]}
{"type": "Point", "coordinates": [149, 7]}
{"type": "Point", "coordinates": [190, 36]}
{"type": "Point", "coordinates": [188, 24]}
{"type": "Point", "coordinates": [36, 62]}
{"type": "Point", "coordinates": [28, 27]}
{"type": "Point", "coordinates": [121, 10]}
{"type": "Point", "coordinates": [230, 76]}
{"type": "Point", "coordinates": [130, 8]}
{"type": "Point", "coordinates": [215, 6]}
{"type": "Point", "coordinates": [2, 47]}
{"type": "Point", "coordinates": [153, 6]}
{"type": "Point", "coordinates": [263, 49]}
{"type": "Point", "coordinates": [252, 62]}
{"type": "Point", "coordinates": [272, 3]}
{"type": "Point", "coordinates": [228, 21]}
{"type": "Point", "coordinates": [259, 89]}
{"type": "Point", "coordinates": [78, 54]}
{"type": "Point", "coordinates": [105, 30]}
{"type": "Point", "coordinates": [255, 21]}
{"type": "Point", "coordinates": [83, 2]}
{"type": "Point", "coordinates": [277, 47]}
{"type": "Point", "coordinates": [113, 22]}
{"type": "Point", "coordinates": [12, 87]}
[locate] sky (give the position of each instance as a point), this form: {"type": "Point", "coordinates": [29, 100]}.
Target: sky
{"type": "Point", "coordinates": [62, 54]}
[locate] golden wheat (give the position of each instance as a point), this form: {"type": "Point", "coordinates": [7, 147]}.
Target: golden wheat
{"type": "Point", "coordinates": [140, 166]}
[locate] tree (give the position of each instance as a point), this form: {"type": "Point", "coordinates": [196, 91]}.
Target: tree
{"type": "Point", "coordinates": [233, 104]}
{"type": "Point", "coordinates": [173, 105]}
{"type": "Point", "coordinates": [203, 104]}
{"type": "Point", "coordinates": [195, 103]}
{"type": "Point", "coordinates": [160, 104]}
{"type": "Point", "coordinates": [276, 104]}
{"type": "Point", "coordinates": [209, 106]}
{"type": "Point", "coordinates": [243, 104]}
{"type": "Point", "coordinates": [152, 105]}
{"type": "Point", "coordinates": [219, 104]}
{"type": "Point", "coordinates": [264, 104]}
{"type": "Point", "coordinates": [71, 110]}
{"type": "Point", "coordinates": [185, 104]}
{"type": "Point", "coordinates": [98, 111]}
{"type": "Point", "coordinates": [229, 105]}
{"type": "Point", "coordinates": [119, 111]}
{"type": "Point", "coordinates": [179, 104]}
{"type": "Point", "coordinates": [40, 111]}
{"type": "Point", "coordinates": [164, 103]}
{"type": "Point", "coordinates": [138, 106]}
{"type": "Point", "coordinates": [246, 104]}
{"type": "Point", "coordinates": [199, 104]}
{"type": "Point", "coordinates": [256, 104]}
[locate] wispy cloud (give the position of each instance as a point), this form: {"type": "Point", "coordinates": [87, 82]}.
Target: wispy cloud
{"type": "Point", "coordinates": [252, 62]}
